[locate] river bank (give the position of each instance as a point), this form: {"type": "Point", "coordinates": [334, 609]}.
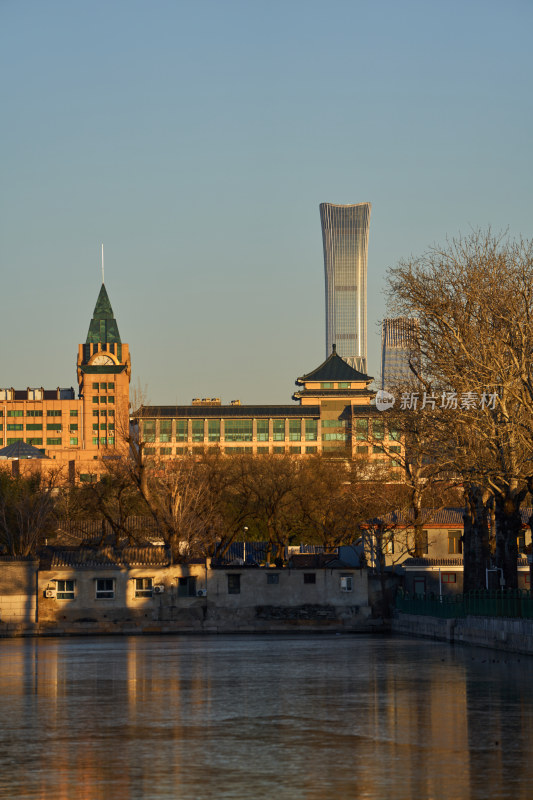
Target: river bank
{"type": "Point", "coordinates": [497, 633]}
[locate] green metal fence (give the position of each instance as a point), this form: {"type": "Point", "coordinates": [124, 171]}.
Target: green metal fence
{"type": "Point", "coordinates": [498, 603]}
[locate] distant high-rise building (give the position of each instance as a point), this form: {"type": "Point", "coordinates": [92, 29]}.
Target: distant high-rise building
{"type": "Point", "coordinates": [345, 239]}
{"type": "Point", "coordinates": [398, 347]}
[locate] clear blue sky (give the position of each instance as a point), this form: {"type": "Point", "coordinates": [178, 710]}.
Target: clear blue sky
{"type": "Point", "coordinates": [197, 139]}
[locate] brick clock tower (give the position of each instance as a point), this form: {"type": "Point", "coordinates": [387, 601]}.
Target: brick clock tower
{"type": "Point", "coordinates": [104, 370]}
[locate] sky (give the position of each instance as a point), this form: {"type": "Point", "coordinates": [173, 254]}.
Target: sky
{"type": "Point", "coordinates": [196, 140]}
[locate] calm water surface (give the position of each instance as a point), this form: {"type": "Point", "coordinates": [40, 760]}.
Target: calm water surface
{"type": "Point", "coordinates": [262, 717]}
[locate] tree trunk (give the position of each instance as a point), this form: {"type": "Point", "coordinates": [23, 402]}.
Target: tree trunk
{"type": "Point", "coordinates": [476, 550]}
{"type": "Point", "coordinates": [508, 526]}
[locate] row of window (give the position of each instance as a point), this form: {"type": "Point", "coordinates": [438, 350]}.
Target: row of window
{"type": "Point", "coordinates": [103, 399]}
{"type": "Point", "coordinates": [235, 430]}
{"type": "Point", "coordinates": [38, 412]}
{"type": "Point", "coordinates": [37, 441]}
{"type": "Point", "coordinates": [331, 385]}
{"type": "Point", "coordinates": [182, 451]}
{"type": "Point", "coordinates": [379, 429]}
{"type": "Point", "coordinates": [105, 588]}
{"type": "Point", "coordinates": [455, 542]}
{"type": "Point", "coordinates": [104, 387]}
{"type": "Point", "coordinates": [234, 581]}
{"type": "Point", "coordinates": [242, 430]}
{"type": "Point", "coordinates": [37, 426]}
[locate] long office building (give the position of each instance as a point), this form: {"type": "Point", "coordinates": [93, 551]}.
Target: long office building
{"type": "Point", "coordinates": [345, 240]}
{"type": "Point", "coordinates": [75, 433]}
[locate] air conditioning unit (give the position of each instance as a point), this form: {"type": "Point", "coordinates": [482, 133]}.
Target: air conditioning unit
{"type": "Point", "coordinates": [49, 593]}
{"type": "Point", "coordinates": [159, 589]}
{"type": "Point", "coordinates": [201, 593]}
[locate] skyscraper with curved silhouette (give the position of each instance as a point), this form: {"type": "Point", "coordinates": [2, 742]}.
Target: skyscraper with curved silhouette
{"type": "Point", "coordinates": [345, 240]}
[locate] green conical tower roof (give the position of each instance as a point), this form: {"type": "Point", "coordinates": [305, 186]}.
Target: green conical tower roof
{"type": "Point", "coordinates": [103, 327]}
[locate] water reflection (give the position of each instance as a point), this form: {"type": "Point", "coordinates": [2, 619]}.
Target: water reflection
{"type": "Point", "coordinates": [261, 717]}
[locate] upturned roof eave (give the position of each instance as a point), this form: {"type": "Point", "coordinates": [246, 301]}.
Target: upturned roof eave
{"type": "Point", "coordinates": [334, 368]}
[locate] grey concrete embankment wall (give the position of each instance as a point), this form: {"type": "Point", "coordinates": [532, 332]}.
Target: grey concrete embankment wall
{"type": "Point", "coordinates": [206, 617]}
{"type": "Point", "coordinates": [512, 635]}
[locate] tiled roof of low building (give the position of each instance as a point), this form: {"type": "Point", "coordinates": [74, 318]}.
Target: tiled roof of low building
{"type": "Point", "coordinates": [105, 557]}
{"type": "Point", "coordinates": [438, 517]}
{"type": "Point", "coordinates": [316, 561]}
{"type": "Point", "coordinates": [432, 562]}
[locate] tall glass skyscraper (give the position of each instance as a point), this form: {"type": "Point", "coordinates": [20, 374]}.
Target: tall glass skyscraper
{"type": "Point", "coordinates": [399, 343]}
{"type": "Point", "coordinates": [345, 239]}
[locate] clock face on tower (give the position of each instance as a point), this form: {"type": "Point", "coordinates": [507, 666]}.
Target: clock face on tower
{"type": "Point", "coordinates": [102, 360]}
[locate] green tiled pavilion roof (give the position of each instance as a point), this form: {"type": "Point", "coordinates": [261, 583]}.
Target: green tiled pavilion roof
{"type": "Point", "coordinates": [334, 368]}
{"type": "Point", "coordinates": [103, 327]}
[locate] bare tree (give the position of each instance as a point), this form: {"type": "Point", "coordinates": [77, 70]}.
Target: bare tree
{"type": "Point", "coordinates": [26, 511]}
{"type": "Point", "coordinates": [473, 342]}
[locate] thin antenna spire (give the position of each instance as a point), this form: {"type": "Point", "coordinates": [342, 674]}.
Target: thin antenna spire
{"type": "Point", "coordinates": [103, 263]}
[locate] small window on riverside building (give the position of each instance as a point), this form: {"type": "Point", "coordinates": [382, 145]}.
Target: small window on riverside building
{"type": "Point", "coordinates": [449, 577]}
{"type": "Point", "coordinates": [143, 587]}
{"type": "Point", "coordinates": [455, 545]}
{"type": "Point", "coordinates": [346, 582]}
{"type": "Point", "coordinates": [234, 584]}
{"type": "Point", "coordinates": [272, 577]}
{"type": "Point", "coordinates": [105, 588]}
{"type": "Point", "coordinates": [65, 590]}
{"type": "Point", "coordinates": [187, 587]}
{"type": "Point", "coordinates": [309, 577]}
